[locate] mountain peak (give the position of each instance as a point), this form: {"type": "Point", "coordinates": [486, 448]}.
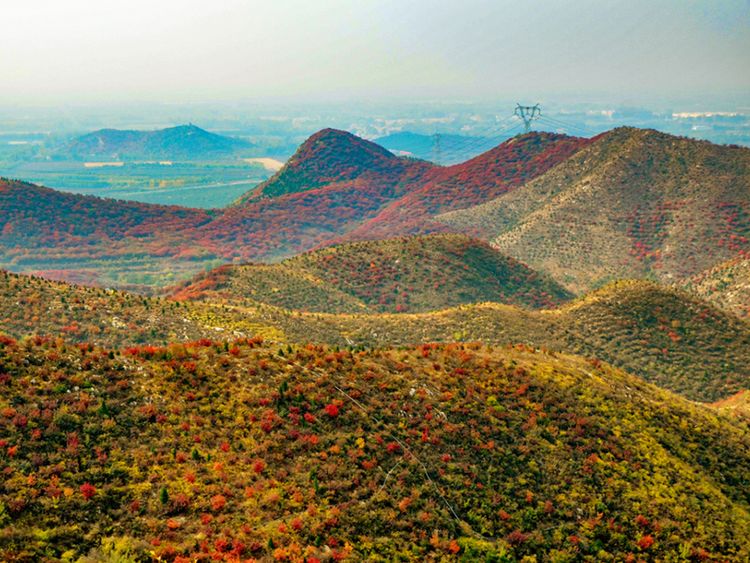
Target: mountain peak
{"type": "Point", "coordinates": [327, 157]}
{"type": "Point", "coordinates": [327, 140]}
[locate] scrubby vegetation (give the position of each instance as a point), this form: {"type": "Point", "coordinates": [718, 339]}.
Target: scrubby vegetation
{"type": "Point", "coordinates": [628, 203]}
{"type": "Point", "coordinates": [700, 351]}
{"type": "Point", "coordinates": [222, 450]}
{"type": "Point", "coordinates": [666, 336]}
{"type": "Point", "coordinates": [409, 399]}
{"type": "Point", "coordinates": [737, 405]}
{"type": "Point", "coordinates": [726, 285]}
{"type": "Point", "coordinates": [335, 183]}
{"type": "Point", "coordinates": [34, 306]}
{"type": "Point", "coordinates": [413, 274]}
{"type": "Point", "coordinates": [331, 157]}
{"type": "Point", "coordinates": [471, 183]}
{"type": "Point", "coordinates": [633, 203]}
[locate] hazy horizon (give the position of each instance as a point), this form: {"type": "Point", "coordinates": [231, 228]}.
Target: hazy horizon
{"type": "Point", "coordinates": [84, 52]}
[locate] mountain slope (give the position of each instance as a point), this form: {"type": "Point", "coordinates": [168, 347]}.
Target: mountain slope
{"type": "Point", "coordinates": [737, 405]}
{"type": "Point", "coordinates": [629, 203]}
{"type": "Point", "coordinates": [726, 285]}
{"type": "Point", "coordinates": [701, 352]}
{"type": "Point", "coordinates": [478, 180]}
{"type": "Point", "coordinates": [665, 336]}
{"type": "Point", "coordinates": [184, 142]}
{"type": "Point", "coordinates": [282, 285]}
{"type": "Point", "coordinates": [32, 306]}
{"type": "Point", "coordinates": [220, 451]}
{"type": "Point", "coordinates": [407, 274]}
{"type": "Point", "coordinates": [115, 243]}
{"type": "Point", "coordinates": [634, 203]}
{"type": "Point", "coordinates": [334, 185]}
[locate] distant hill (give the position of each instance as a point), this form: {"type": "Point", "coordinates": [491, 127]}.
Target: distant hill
{"type": "Point", "coordinates": [184, 142]}
{"type": "Point", "coordinates": [285, 216]}
{"type": "Point", "coordinates": [398, 275]}
{"type": "Point", "coordinates": [726, 285]}
{"type": "Point", "coordinates": [43, 229]}
{"type": "Point", "coordinates": [235, 448]}
{"type": "Point", "coordinates": [633, 203]}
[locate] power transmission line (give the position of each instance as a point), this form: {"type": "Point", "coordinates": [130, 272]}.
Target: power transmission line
{"type": "Point", "coordinates": [556, 122]}
{"type": "Point", "coordinates": [460, 147]}
{"type": "Point", "coordinates": [470, 148]}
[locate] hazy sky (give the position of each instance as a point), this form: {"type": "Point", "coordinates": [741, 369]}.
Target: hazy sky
{"type": "Point", "coordinates": [82, 51]}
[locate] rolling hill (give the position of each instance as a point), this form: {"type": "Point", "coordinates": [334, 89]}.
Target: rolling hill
{"type": "Point", "coordinates": [110, 242]}
{"type": "Point", "coordinates": [633, 203]}
{"type": "Point", "coordinates": [675, 340]}
{"type": "Point", "coordinates": [183, 142]}
{"type": "Point", "coordinates": [227, 450]}
{"type": "Point", "coordinates": [663, 335]}
{"type": "Point", "coordinates": [726, 285]}
{"type": "Point", "coordinates": [413, 274]}
{"type": "Point", "coordinates": [41, 229]}
{"type": "Point", "coordinates": [666, 336]}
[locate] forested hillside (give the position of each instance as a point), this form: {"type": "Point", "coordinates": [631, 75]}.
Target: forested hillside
{"type": "Point", "coordinates": [413, 274]}
{"type": "Point", "coordinates": [221, 450]}
{"type": "Point", "coordinates": [633, 203]}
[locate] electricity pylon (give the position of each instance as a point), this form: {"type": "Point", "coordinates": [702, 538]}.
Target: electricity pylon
{"type": "Point", "coordinates": [437, 150]}
{"type": "Point", "coordinates": [528, 114]}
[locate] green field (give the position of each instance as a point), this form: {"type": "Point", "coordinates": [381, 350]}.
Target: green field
{"type": "Point", "coordinates": [191, 184]}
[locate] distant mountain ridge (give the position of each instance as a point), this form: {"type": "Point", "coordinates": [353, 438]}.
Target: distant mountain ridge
{"type": "Point", "coordinates": [183, 142]}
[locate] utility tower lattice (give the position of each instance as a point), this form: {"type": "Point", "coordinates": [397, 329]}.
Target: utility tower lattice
{"type": "Point", "coordinates": [437, 150]}
{"type": "Point", "coordinates": [528, 114]}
